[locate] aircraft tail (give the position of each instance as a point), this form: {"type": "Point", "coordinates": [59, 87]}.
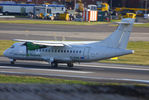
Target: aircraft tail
{"type": "Point", "coordinates": [119, 38]}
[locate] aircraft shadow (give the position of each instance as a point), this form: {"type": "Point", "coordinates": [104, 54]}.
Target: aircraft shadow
{"type": "Point", "coordinates": [37, 66]}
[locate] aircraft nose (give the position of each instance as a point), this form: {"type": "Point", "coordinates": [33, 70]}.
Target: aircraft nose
{"type": "Point", "coordinates": [5, 53]}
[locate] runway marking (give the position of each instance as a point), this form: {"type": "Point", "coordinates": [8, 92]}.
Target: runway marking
{"type": "Point", "coordinates": [69, 71]}
{"type": "Point", "coordinates": [98, 66]}
{"type": "Point", "coordinates": [78, 76]}
{"type": "Point", "coordinates": [50, 70]}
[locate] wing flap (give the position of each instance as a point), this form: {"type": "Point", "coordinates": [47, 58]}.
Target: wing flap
{"type": "Point", "coordinates": [126, 23]}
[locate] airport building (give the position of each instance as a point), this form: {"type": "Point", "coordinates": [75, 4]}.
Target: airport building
{"type": "Point", "coordinates": [113, 3]}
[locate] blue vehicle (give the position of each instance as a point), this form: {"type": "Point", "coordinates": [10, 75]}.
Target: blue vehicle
{"type": "Point", "coordinates": [17, 8]}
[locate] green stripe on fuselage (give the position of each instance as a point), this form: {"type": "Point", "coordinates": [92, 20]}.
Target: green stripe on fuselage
{"type": "Point", "coordinates": [31, 46]}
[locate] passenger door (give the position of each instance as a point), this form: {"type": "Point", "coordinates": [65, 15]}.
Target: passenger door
{"type": "Point", "coordinates": [86, 53]}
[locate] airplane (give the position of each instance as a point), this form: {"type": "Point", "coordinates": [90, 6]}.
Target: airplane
{"type": "Point", "coordinates": [69, 52]}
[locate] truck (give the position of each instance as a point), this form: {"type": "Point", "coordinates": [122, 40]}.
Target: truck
{"type": "Point", "coordinates": [137, 11]}
{"type": "Point", "coordinates": [104, 7]}
{"type": "Point", "coordinates": [103, 11]}
{"type": "Point", "coordinates": [48, 11]}
{"type": "Point", "coordinates": [23, 9]}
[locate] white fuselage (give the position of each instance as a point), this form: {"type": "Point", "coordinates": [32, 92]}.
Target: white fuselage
{"type": "Point", "coordinates": [71, 53]}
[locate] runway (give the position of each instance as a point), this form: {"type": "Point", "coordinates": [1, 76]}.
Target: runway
{"type": "Point", "coordinates": [85, 71]}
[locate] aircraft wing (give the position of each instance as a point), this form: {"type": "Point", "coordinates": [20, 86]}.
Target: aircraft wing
{"type": "Point", "coordinates": [44, 43]}
{"type": "Point", "coordinates": [55, 43]}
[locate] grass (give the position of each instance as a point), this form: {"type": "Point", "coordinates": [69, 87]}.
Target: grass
{"type": "Point", "coordinates": [15, 79]}
{"type": "Point", "coordinates": [39, 80]}
{"type": "Point", "coordinates": [140, 57]}
{"type": "Point", "coordinates": [4, 44]}
{"type": "Point", "coordinates": [50, 22]}
{"type": "Point", "coordinates": [142, 25]}
{"type": "Point", "coordinates": [136, 25]}
{"type": "Point", "coordinates": [28, 21]}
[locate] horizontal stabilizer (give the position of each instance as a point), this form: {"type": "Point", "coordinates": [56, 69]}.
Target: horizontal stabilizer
{"type": "Point", "coordinates": [126, 23]}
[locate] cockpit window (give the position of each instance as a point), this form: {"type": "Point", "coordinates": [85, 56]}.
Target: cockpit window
{"type": "Point", "coordinates": [12, 46]}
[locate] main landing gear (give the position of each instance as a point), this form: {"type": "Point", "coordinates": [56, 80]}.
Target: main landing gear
{"type": "Point", "coordinates": [12, 61]}
{"type": "Point", "coordinates": [55, 65]}
{"type": "Point", "coordinates": [70, 64]}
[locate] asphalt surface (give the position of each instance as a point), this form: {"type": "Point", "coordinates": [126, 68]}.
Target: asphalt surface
{"type": "Point", "coordinates": [66, 28]}
{"type": "Point", "coordinates": [65, 32]}
{"type": "Point", "coordinates": [84, 71]}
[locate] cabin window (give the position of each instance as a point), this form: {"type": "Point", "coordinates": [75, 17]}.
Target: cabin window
{"type": "Point", "coordinates": [64, 51]}
{"type": "Point", "coordinates": [67, 51]}
{"type": "Point", "coordinates": [52, 50]}
{"type": "Point", "coordinates": [76, 51]}
{"type": "Point", "coordinates": [70, 51]}
{"type": "Point", "coordinates": [55, 50]}
{"type": "Point", "coordinates": [73, 51]}
{"type": "Point", "coordinates": [49, 50]}
{"type": "Point", "coordinates": [58, 50]}
{"type": "Point", "coordinates": [61, 51]}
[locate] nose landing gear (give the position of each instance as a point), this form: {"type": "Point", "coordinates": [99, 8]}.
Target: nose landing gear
{"type": "Point", "coordinates": [12, 61]}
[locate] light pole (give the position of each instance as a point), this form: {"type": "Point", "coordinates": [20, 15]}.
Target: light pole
{"type": "Point", "coordinates": [36, 1]}
{"type": "Point", "coordinates": [111, 4]}
{"type": "Point", "coordinates": [75, 5]}
{"type": "Point", "coordinates": [146, 6]}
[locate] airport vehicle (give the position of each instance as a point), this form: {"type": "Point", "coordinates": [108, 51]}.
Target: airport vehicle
{"type": "Point", "coordinates": [70, 52]}
{"type": "Point", "coordinates": [48, 11]}
{"type": "Point", "coordinates": [130, 9]}
{"type": "Point", "coordinates": [17, 8]}
{"type": "Point", "coordinates": [137, 11]}
{"type": "Point", "coordinates": [127, 15]}
{"type": "Point", "coordinates": [103, 11]}
{"type": "Point", "coordinates": [104, 7]}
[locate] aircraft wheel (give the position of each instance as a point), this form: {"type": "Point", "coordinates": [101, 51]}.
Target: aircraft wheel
{"type": "Point", "coordinates": [70, 64]}
{"type": "Point", "coordinates": [54, 65]}
{"type": "Point", "coordinates": [12, 61]}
